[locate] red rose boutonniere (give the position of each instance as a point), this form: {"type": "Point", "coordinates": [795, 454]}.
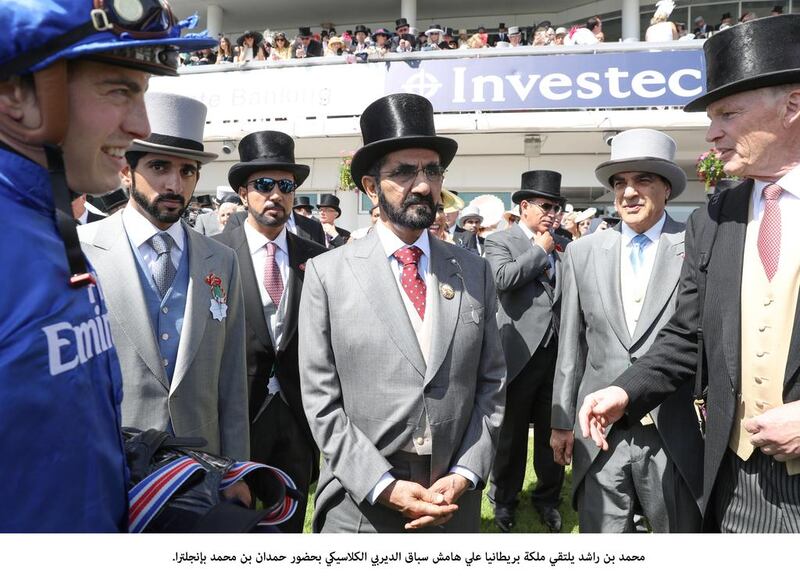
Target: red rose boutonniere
{"type": "Point", "coordinates": [219, 299]}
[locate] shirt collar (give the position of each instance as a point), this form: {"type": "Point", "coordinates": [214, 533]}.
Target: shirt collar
{"type": "Point", "coordinates": [653, 233]}
{"type": "Point", "coordinates": [140, 230]}
{"type": "Point", "coordinates": [256, 240]}
{"type": "Point", "coordinates": [525, 230]}
{"type": "Point", "coordinates": [790, 183]}
{"type": "Point", "coordinates": [391, 243]}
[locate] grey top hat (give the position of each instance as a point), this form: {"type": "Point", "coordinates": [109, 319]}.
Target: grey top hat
{"type": "Point", "coordinates": [513, 30]}
{"type": "Point", "coordinates": [176, 125]}
{"type": "Point", "coordinates": [643, 150]}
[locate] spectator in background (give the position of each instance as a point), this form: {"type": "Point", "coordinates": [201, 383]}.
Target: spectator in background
{"type": "Point", "coordinates": [335, 46]}
{"type": "Point", "coordinates": [329, 212]}
{"type": "Point", "coordinates": [225, 50]}
{"type": "Point", "coordinates": [701, 28]}
{"type": "Point", "coordinates": [401, 28]}
{"type": "Point", "coordinates": [434, 34]}
{"type": "Point", "coordinates": [302, 205]}
{"type": "Point", "coordinates": [380, 44]}
{"type": "Point", "coordinates": [247, 46]}
{"type": "Point", "coordinates": [362, 42]}
{"type": "Point", "coordinates": [777, 10]}
{"type": "Point", "coordinates": [561, 33]}
{"type": "Point", "coordinates": [726, 21]}
{"type": "Point", "coordinates": [448, 41]}
{"type": "Point", "coordinates": [540, 36]}
{"type": "Point", "coordinates": [463, 39]}
{"type": "Point", "coordinates": [476, 41]}
{"type": "Point", "coordinates": [583, 221]}
{"type": "Point", "coordinates": [514, 36]}
{"type": "Point", "coordinates": [747, 16]}
{"type": "Point", "coordinates": [661, 29]}
{"type": "Point", "coordinates": [305, 46]}
{"type": "Point", "coordinates": [281, 49]}
{"type": "Point", "coordinates": [225, 211]}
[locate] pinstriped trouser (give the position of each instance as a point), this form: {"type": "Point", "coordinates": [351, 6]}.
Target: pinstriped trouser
{"type": "Point", "coordinates": [756, 496]}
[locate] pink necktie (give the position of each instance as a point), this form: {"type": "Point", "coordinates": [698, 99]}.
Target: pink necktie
{"type": "Point", "coordinates": [272, 276]}
{"type": "Point", "coordinates": [769, 234]}
{"type": "Point", "coordinates": [413, 284]}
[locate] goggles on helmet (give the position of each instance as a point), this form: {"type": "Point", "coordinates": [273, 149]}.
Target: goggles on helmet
{"type": "Point", "coordinates": [136, 18]}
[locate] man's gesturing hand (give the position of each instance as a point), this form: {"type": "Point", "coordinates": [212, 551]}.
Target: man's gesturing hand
{"type": "Point", "coordinates": [599, 411]}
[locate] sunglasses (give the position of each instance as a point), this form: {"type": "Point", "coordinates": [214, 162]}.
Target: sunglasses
{"type": "Point", "coordinates": [267, 184]}
{"type": "Point", "coordinates": [548, 207]}
{"type": "Point", "coordinates": [139, 19]}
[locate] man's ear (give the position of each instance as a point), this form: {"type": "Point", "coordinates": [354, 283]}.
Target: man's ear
{"type": "Point", "coordinates": [126, 176]}
{"type": "Point", "coordinates": [370, 186]}
{"type": "Point", "coordinates": [243, 196]}
{"type": "Point", "coordinates": [792, 107]}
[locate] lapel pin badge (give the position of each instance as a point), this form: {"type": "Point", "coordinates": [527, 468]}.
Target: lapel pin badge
{"type": "Point", "coordinates": [447, 291]}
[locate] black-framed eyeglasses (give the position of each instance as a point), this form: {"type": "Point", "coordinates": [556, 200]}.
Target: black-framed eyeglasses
{"type": "Point", "coordinates": [547, 207]}
{"type": "Point", "coordinates": [267, 184]}
{"type": "Point", "coordinates": [139, 19]}
{"type": "Point", "coordinates": [405, 174]}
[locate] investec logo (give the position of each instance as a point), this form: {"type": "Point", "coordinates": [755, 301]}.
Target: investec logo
{"type": "Point", "coordinates": [90, 338]}
{"type": "Point", "coordinates": [587, 86]}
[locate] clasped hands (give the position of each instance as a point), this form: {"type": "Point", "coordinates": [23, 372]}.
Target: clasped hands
{"type": "Point", "coordinates": [433, 506]}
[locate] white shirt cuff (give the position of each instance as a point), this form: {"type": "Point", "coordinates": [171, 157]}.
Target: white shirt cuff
{"type": "Point", "coordinates": [382, 484]}
{"type": "Point", "coordinates": [466, 473]}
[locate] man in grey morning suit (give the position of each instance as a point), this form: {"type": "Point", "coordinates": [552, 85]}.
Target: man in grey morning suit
{"type": "Point", "coordinates": [400, 361]}
{"type": "Point", "coordinates": [741, 252]}
{"type": "Point", "coordinates": [181, 347]}
{"type": "Point", "coordinates": [526, 265]}
{"type": "Point", "coordinates": [619, 288]}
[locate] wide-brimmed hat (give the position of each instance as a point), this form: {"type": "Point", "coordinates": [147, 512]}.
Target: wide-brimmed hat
{"type": "Point", "coordinates": [435, 28]}
{"type": "Point", "coordinates": [264, 150]}
{"type": "Point", "coordinates": [512, 30]}
{"type": "Point", "coordinates": [382, 31]}
{"type": "Point", "coordinates": [584, 215]}
{"type": "Point", "coordinates": [400, 22]}
{"type": "Point", "coordinates": [759, 53]}
{"type": "Point", "coordinates": [257, 38]}
{"type": "Point", "coordinates": [451, 201]}
{"type": "Point", "coordinates": [394, 122]}
{"type": "Point", "coordinates": [335, 40]}
{"type": "Point", "coordinates": [643, 150]}
{"type": "Point", "coordinates": [329, 200]}
{"type": "Point", "coordinates": [176, 127]}
{"type": "Point", "coordinates": [539, 183]}
{"type": "Point", "coordinates": [301, 201]}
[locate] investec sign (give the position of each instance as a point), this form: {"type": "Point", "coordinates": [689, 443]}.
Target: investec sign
{"type": "Point", "coordinates": [561, 81]}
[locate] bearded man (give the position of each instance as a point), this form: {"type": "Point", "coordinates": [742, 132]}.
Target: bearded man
{"type": "Point", "coordinates": [401, 367]}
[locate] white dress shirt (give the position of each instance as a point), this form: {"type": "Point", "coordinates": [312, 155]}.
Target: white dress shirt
{"type": "Point", "coordinates": [634, 284]}
{"type": "Point", "coordinates": [275, 314]}
{"type": "Point", "coordinates": [291, 225]}
{"type": "Point", "coordinates": [788, 204]}
{"type": "Point", "coordinates": [390, 244]}
{"type": "Point", "coordinates": [140, 230]}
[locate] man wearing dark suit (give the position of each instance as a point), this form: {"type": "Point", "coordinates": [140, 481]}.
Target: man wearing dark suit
{"type": "Point", "coordinates": [401, 366]}
{"type": "Point", "coordinates": [527, 270]}
{"type": "Point", "coordinates": [272, 263]}
{"type": "Point", "coordinates": [329, 212]}
{"type": "Point", "coordinates": [305, 46]}
{"type": "Point", "coordinates": [619, 289]}
{"type": "Point", "coordinates": [467, 227]}
{"type": "Point", "coordinates": [300, 225]}
{"type": "Point", "coordinates": [741, 251]}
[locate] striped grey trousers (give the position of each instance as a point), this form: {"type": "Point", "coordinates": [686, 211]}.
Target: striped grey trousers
{"type": "Point", "coordinates": [756, 496]}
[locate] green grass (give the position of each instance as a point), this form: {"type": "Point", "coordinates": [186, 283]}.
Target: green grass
{"type": "Point", "coordinates": [527, 518]}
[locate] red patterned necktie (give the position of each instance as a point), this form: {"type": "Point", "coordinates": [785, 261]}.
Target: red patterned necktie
{"type": "Point", "coordinates": [769, 234]}
{"type": "Point", "coordinates": [272, 275]}
{"type": "Point", "coordinates": [413, 284]}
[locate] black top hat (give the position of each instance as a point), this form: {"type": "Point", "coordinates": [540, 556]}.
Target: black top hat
{"type": "Point", "coordinates": [400, 22]}
{"type": "Point", "coordinates": [394, 122]}
{"type": "Point", "coordinates": [266, 150]}
{"type": "Point", "coordinates": [540, 183]}
{"type": "Point", "coordinates": [302, 201]}
{"type": "Point", "coordinates": [361, 28]}
{"type": "Point", "coordinates": [329, 200]}
{"type": "Point", "coordinates": [749, 56]}
{"type": "Point", "coordinates": [304, 31]}
{"type": "Point", "coordinates": [110, 201]}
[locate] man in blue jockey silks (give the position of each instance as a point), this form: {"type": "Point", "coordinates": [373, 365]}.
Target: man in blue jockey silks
{"type": "Point", "coordinates": [72, 79]}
